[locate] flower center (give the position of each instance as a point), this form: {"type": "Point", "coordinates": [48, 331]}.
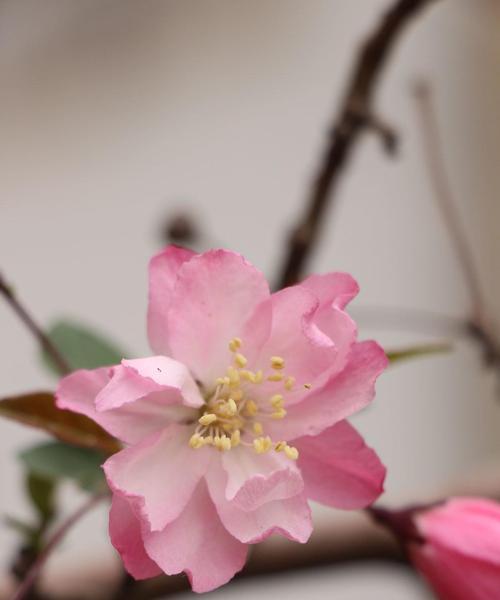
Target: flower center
{"type": "Point", "coordinates": [231, 415]}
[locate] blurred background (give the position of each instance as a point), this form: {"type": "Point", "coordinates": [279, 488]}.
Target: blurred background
{"type": "Point", "coordinates": [118, 115]}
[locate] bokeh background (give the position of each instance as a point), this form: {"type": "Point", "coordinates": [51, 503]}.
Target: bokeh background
{"type": "Point", "coordinates": [116, 115]}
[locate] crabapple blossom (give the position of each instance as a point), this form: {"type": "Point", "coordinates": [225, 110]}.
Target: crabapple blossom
{"type": "Point", "coordinates": [236, 421]}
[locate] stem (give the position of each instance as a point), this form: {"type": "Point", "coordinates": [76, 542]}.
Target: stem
{"type": "Point", "coordinates": [63, 367]}
{"type": "Point", "coordinates": [24, 589]}
{"type": "Point", "coordinates": [435, 162]}
{"type": "Point", "coordinates": [355, 116]}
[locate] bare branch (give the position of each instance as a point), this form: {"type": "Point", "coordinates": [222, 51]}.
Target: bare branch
{"type": "Point", "coordinates": [348, 125]}
{"type": "Point", "coordinates": [35, 329]}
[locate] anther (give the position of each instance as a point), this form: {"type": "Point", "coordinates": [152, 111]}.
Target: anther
{"type": "Point", "coordinates": [234, 344]}
{"type": "Point", "coordinates": [207, 419]}
{"type": "Point", "coordinates": [291, 452]}
{"type": "Point", "coordinates": [234, 376]}
{"type": "Point", "coordinates": [289, 383]}
{"type": "Point", "coordinates": [257, 428]}
{"type": "Point", "coordinates": [276, 401]}
{"type": "Point", "coordinates": [280, 446]}
{"type": "Point", "coordinates": [231, 408]}
{"type": "Point", "coordinates": [196, 441]}
{"type": "Point", "coordinates": [251, 409]}
{"type": "Point", "coordinates": [277, 362]}
{"type": "Point", "coordinates": [275, 377]}
{"type": "Point", "coordinates": [240, 360]}
{"type": "Point", "coordinates": [308, 386]}
{"type": "Point", "coordinates": [235, 438]}
{"type": "Point", "coordinates": [279, 414]}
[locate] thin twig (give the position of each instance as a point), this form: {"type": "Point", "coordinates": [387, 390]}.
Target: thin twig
{"type": "Point", "coordinates": [477, 326]}
{"type": "Point", "coordinates": [24, 589]}
{"type": "Point", "coordinates": [35, 329]}
{"type": "Point", "coordinates": [352, 120]}
{"type": "Point", "coordinates": [443, 195]}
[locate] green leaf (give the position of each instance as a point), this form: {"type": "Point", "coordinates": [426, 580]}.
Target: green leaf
{"type": "Point", "coordinates": [41, 491]}
{"type": "Point", "coordinates": [82, 347]}
{"type": "Point", "coordinates": [56, 461]}
{"type": "Point", "coordinates": [417, 351]}
{"type": "Point", "coordinates": [39, 410]}
{"type": "Point", "coordinates": [26, 530]}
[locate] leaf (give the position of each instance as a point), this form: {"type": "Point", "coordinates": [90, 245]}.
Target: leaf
{"type": "Point", "coordinates": [55, 461]}
{"type": "Point", "coordinates": [39, 410]}
{"type": "Point", "coordinates": [26, 530]}
{"type": "Point", "coordinates": [417, 351]}
{"type": "Point", "coordinates": [41, 491]}
{"type": "Point", "coordinates": [82, 347]}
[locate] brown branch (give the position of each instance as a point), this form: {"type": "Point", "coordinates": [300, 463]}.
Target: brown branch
{"type": "Point", "coordinates": [349, 124]}
{"type": "Point", "coordinates": [33, 327]}
{"type": "Point", "coordinates": [435, 162]}
{"type": "Point", "coordinates": [24, 589]}
{"type": "Point", "coordinates": [477, 326]}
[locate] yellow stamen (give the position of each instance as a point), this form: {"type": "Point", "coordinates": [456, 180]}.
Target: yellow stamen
{"type": "Point", "coordinates": [275, 377]}
{"type": "Point", "coordinates": [235, 438]}
{"type": "Point", "coordinates": [291, 452]}
{"type": "Point", "coordinates": [279, 414]}
{"type": "Point", "coordinates": [289, 383]}
{"type": "Point", "coordinates": [259, 377]}
{"type": "Point", "coordinates": [234, 344]}
{"type": "Point", "coordinates": [234, 376]}
{"type": "Point", "coordinates": [231, 408]}
{"type": "Point", "coordinates": [308, 386]}
{"type": "Point", "coordinates": [276, 401]}
{"type": "Point", "coordinates": [262, 445]}
{"type": "Point", "coordinates": [196, 441]}
{"type": "Point", "coordinates": [240, 360]}
{"type": "Point", "coordinates": [251, 409]}
{"type": "Point", "coordinates": [257, 428]}
{"type": "Point", "coordinates": [222, 381]}
{"type": "Point", "coordinates": [277, 362]}
{"type": "Point", "coordinates": [207, 419]}
{"type": "Point", "coordinates": [280, 446]}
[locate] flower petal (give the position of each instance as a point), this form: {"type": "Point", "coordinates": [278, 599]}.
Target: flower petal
{"type": "Point", "coordinates": [290, 517]}
{"type": "Point", "coordinates": [163, 269]}
{"type": "Point", "coordinates": [125, 534]}
{"type": "Point", "coordinates": [215, 294]}
{"type": "Point", "coordinates": [198, 544]}
{"type": "Point", "coordinates": [342, 395]}
{"type": "Point", "coordinates": [135, 379]}
{"type": "Point", "coordinates": [294, 336]}
{"type": "Point", "coordinates": [470, 526]}
{"type": "Point", "coordinates": [332, 289]}
{"type": "Point", "coordinates": [339, 470]}
{"type": "Point", "coordinates": [454, 576]}
{"type": "Point", "coordinates": [131, 422]}
{"type": "Point", "coordinates": [159, 474]}
{"type": "Point", "coordinates": [255, 479]}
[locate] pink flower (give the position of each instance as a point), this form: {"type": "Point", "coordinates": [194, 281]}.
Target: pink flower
{"type": "Point", "coordinates": [460, 552]}
{"type": "Point", "coordinates": [237, 420]}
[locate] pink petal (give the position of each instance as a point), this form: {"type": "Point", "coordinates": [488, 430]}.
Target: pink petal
{"type": "Point", "coordinates": [290, 517]}
{"type": "Point", "coordinates": [135, 379]}
{"type": "Point", "coordinates": [343, 395]}
{"type": "Point", "coordinates": [125, 534]}
{"type": "Point", "coordinates": [454, 576]}
{"type": "Point", "coordinates": [131, 422]}
{"type": "Point", "coordinates": [332, 289]}
{"type": "Point", "coordinates": [163, 270]}
{"type": "Point", "coordinates": [215, 294]}
{"type": "Point", "coordinates": [470, 526]}
{"type": "Point", "coordinates": [159, 474]}
{"type": "Point", "coordinates": [295, 337]}
{"type": "Point", "coordinates": [198, 544]}
{"type": "Point", "coordinates": [255, 479]}
{"type": "Point", "coordinates": [339, 469]}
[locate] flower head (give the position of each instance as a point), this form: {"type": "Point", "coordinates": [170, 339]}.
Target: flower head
{"type": "Point", "coordinates": [460, 549]}
{"type": "Point", "coordinates": [237, 420]}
